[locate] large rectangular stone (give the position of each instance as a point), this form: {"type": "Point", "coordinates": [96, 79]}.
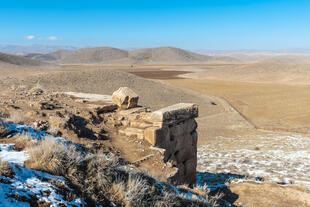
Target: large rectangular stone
{"type": "Point", "coordinates": [157, 136]}
{"type": "Point", "coordinates": [181, 111]}
{"type": "Point", "coordinates": [184, 127]}
{"type": "Point", "coordinates": [139, 133]}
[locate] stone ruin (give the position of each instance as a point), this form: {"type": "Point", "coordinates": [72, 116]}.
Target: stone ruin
{"type": "Point", "coordinates": [172, 130]}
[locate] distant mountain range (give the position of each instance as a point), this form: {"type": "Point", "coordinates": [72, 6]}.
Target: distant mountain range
{"type": "Point", "coordinates": [254, 52]}
{"type": "Point", "coordinates": [159, 55]}
{"type": "Point", "coordinates": [44, 49]}
{"type": "Point", "coordinates": [13, 60]}
{"type": "Point", "coordinates": [39, 54]}
{"type": "Point", "coordinates": [24, 50]}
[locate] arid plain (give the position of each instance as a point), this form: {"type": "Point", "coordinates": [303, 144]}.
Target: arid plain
{"type": "Point", "coordinates": [262, 129]}
{"type": "Point", "coordinates": [253, 114]}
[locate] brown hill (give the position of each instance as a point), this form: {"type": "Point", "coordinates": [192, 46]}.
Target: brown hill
{"type": "Point", "coordinates": [166, 55]}
{"type": "Point", "coordinates": [14, 60]}
{"type": "Point", "coordinates": [95, 55]}
{"type": "Point", "coordinates": [50, 57]}
{"type": "Point", "coordinates": [108, 55]}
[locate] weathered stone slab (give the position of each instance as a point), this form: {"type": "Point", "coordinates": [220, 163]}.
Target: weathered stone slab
{"type": "Point", "coordinates": [125, 98]}
{"type": "Point", "coordinates": [140, 125]}
{"type": "Point", "coordinates": [132, 132]}
{"type": "Point", "coordinates": [91, 97]}
{"type": "Point", "coordinates": [156, 136]}
{"type": "Point", "coordinates": [184, 127]}
{"type": "Point", "coordinates": [181, 111]}
{"type": "Point", "coordinates": [100, 109]}
{"type": "Point", "coordinates": [136, 110]}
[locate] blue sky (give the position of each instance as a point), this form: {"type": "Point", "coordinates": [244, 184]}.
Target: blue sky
{"type": "Point", "coordinates": [190, 24]}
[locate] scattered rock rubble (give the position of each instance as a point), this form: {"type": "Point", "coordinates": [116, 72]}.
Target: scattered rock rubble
{"type": "Point", "coordinates": [166, 136]}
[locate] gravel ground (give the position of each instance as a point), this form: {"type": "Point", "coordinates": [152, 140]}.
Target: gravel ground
{"type": "Point", "coordinates": [152, 94]}
{"type": "Point", "coordinates": [283, 159]}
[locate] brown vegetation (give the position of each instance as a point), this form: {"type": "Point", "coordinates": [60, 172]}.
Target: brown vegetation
{"type": "Point", "coordinates": [103, 178]}
{"type": "Point", "coordinates": [6, 169]}
{"type": "Point", "coordinates": [16, 117]}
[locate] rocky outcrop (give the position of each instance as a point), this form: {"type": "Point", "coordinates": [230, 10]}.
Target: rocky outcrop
{"type": "Point", "coordinates": [125, 98]}
{"type": "Point", "coordinates": [172, 129]}
{"type": "Point", "coordinates": [175, 131]}
{"type": "Point", "coordinates": [163, 142]}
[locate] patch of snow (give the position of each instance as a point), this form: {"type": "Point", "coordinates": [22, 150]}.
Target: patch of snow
{"type": "Point", "coordinates": [37, 134]}
{"type": "Point", "coordinates": [30, 184]}
{"type": "Point", "coordinates": [279, 158]}
{"type": "Point", "coordinates": [24, 129]}
{"type": "Point", "coordinates": [8, 155]}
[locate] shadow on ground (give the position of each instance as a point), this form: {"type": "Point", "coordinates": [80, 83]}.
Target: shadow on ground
{"type": "Point", "coordinates": [216, 182]}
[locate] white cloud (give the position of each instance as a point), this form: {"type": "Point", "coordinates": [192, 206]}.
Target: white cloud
{"type": "Point", "coordinates": [53, 38]}
{"type": "Point", "coordinates": [33, 37]}
{"type": "Point", "coordinates": [30, 37]}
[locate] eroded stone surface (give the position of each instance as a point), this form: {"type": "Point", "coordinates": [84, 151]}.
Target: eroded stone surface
{"type": "Point", "coordinates": [125, 98]}
{"type": "Point", "coordinates": [172, 129]}
{"type": "Point", "coordinates": [180, 111]}
{"type": "Point", "coordinates": [81, 117]}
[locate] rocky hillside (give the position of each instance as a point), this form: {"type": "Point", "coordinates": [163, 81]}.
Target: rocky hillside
{"type": "Point", "coordinates": [60, 150]}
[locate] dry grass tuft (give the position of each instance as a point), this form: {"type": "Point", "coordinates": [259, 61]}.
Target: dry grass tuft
{"type": "Point", "coordinates": [16, 117]}
{"type": "Point", "coordinates": [51, 156]}
{"type": "Point", "coordinates": [6, 169]}
{"type": "Point", "coordinates": [102, 178]}
{"type": "Point", "coordinates": [23, 141]}
{"type": "Point", "coordinates": [138, 192]}
{"type": "Point", "coordinates": [203, 192]}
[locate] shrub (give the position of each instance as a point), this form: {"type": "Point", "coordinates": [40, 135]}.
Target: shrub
{"type": "Point", "coordinates": [6, 169]}
{"type": "Point", "coordinates": [52, 156]}
{"type": "Point", "coordinates": [23, 141]}
{"type": "Point", "coordinates": [102, 179]}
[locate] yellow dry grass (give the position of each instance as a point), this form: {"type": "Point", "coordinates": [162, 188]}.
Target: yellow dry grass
{"type": "Point", "coordinates": [51, 156]}
{"type": "Point", "coordinates": [271, 106]}
{"type": "Point", "coordinates": [17, 117]}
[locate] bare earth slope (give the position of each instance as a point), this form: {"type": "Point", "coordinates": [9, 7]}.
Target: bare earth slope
{"type": "Point", "coordinates": [258, 72]}
{"type": "Point", "coordinates": [18, 60]}
{"type": "Point", "coordinates": [170, 55]}
{"type": "Point", "coordinates": [108, 55]}
{"type": "Point", "coordinates": [95, 55]}
{"type": "Point", "coordinates": [153, 94]}
{"type": "Point", "coordinates": [50, 57]}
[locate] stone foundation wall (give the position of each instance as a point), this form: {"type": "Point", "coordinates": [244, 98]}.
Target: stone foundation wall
{"type": "Point", "coordinates": [173, 129]}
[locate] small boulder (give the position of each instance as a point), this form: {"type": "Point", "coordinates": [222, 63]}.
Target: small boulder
{"type": "Point", "coordinates": [125, 98]}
